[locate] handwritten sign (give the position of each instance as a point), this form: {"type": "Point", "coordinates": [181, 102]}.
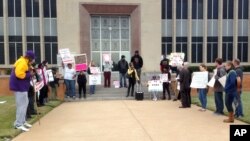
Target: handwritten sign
{"type": "Point", "coordinates": [95, 79]}
{"type": "Point", "coordinates": [66, 56]}
{"type": "Point", "coordinates": [95, 70]}
{"type": "Point", "coordinates": [106, 57]}
{"type": "Point", "coordinates": [81, 62]}
{"type": "Point", "coordinates": [199, 80]}
{"type": "Point", "coordinates": [176, 59]}
{"type": "Point", "coordinates": [155, 86]}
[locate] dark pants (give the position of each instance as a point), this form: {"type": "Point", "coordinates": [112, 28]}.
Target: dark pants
{"type": "Point", "coordinates": [166, 87]}
{"type": "Point", "coordinates": [81, 88]}
{"type": "Point", "coordinates": [131, 84]}
{"type": "Point", "coordinates": [31, 108]}
{"type": "Point", "coordinates": [107, 76]}
{"type": "Point", "coordinates": [229, 98]}
{"type": "Point", "coordinates": [238, 105]}
{"type": "Point", "coordinates": [185, 97]}
{"type": "Point", "coordinates": [218, 97]}
{"type": "Point", "coordinates": [43, 94]}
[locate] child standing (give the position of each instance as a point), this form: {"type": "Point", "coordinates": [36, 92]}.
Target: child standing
{"type": "Point", "coordinates": [166, 84]}
{"type": "Point", "coordinates": [82, 81]}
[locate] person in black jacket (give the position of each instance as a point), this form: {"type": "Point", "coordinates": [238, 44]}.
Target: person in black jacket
{"type": "Point", "coordinates": [82, 81]}
{"type": "Point", "coordinates": [137, 63]}
{"type": "Point", "coordinates": [123, 68]}
{"type": "Point", "coordinates": [185, 81]}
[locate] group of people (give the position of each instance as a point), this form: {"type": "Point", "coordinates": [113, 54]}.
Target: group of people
{"type": "Point", "coordinates": [232, 88]}
{"type": "Point", "coordinates": [23, 78]}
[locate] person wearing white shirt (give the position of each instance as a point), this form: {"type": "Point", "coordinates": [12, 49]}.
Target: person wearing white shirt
{"type": "Point", "coordinates": [69, 80]}
{"type": "Point", "coordinates": [107, 68]}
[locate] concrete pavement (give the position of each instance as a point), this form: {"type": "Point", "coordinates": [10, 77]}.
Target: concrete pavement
{"type": "Point", "coordinates": [128, 120]}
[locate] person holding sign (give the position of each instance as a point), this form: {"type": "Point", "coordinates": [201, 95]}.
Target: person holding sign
{"type": "Point", "coordinates": [166, 83]}
{"type": "Point", "coordinates": [203, 91]}
{"type": "Point", "coordinates": [218, 88]}
{"type": "Point", "coordinates": [69, 80]}
{"type": "Point", "coordinates": [91, 87]}
{"type": "Point", "coordinates": [230, 90]}
{"type": "Point", "coordinates": [107, 67]}
{"type": "Point", "coordinates": [133, 77]}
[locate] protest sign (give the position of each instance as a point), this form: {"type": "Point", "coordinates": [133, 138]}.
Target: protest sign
{"type": "Point", "coordinates": [81, 62]}
{"type": "Point", "coordinates": [155, 86]}
{"type": "Point", "coordinates": [212, 80]}
{"type": "Point", "coordinates": [164, 77]}
{"type": "Point", "coordinates": [95, 70]}
{"type": "Point", "coordinates": [222, 80]}
{"type": "Point", "coordinates": [199, 80]}
{"type": "Point", "coordinates": [106, 57]}
{"type": "Point", "coordinates": [95, 79]}
{"type": "Point", "coordinates": [50, 75]}
{"type": "Point", "coordinates": [176, 59]}
{"type": "Point", "coordinates": [66, 56]}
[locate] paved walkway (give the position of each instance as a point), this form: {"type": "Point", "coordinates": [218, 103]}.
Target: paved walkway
{"type": "Point", "coordinates": [128, 120]}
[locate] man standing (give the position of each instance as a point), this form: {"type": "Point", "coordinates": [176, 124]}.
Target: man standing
{"type": "Point", "coordinates": [237, 102]}
{"type": "Point", "coordinates": [123, 68]}
{"type": "Point", "coordinates": [185, 81]}
{"type": "Point", "coordinates": [218, 88]}
{"type": "Point", "coordinates": [138, 63]}
{"type": "Point", "coordinates": [19, 83]}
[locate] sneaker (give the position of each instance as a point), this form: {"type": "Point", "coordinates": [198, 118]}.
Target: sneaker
{"type": "Point", "coordinates": [22, 128]}
{"type": "Point", "coordinates": [26, 124]}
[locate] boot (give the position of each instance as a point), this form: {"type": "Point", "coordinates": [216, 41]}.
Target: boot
{"type": "Point", "coordinates": [230, 118]}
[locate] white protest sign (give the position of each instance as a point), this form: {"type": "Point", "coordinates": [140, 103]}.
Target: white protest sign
{"type": "Point", "coordinates": [212, 80]}
{"type": "Point", "coordinates": [50, 75]}
{"type": "Point", "coordinates": [106, 57]}
{"type": "Point", "coordinates": [116, 84]}
{"type": "Point", "coordinates": [164, 77]}
{"type": "Point", "coordinates": [199, 80]}
{"type": "Point", "coordinates": [222, 80]}
{"type": "Point", "coordinates": [95, 79]}
{"type": "Point", "coordinates": [95, 70]}
{"type": "Point", "coordinates": [155, 86]}
{"type": "Point", "coordinates": [66, 56]}
{"type": "Point", "coordinates": [176, 59]}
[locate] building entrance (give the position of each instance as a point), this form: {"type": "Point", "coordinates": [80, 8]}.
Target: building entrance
{"type": "Point", "coordinates": [110, 36]}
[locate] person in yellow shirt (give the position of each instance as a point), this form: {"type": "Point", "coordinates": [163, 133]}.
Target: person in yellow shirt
{"type": "Point", "coordinates": [132, 78]}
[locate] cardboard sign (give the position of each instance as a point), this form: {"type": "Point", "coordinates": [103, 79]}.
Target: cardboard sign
{"type": "Point", "coordinates": [176, 59]}
{"type": "Point", "coordinates": [81, 63]}
{"type": "Point", "coordinates": [66, 56]}
{"type": "Point", "coordinates": [199, 80]}
{"type": "Point", "coordinates": [155, 86]}
{"type": "Point", "coordinates": [95, 79]}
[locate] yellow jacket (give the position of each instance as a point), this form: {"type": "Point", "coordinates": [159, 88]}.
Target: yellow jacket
{"type": "Point", "coordinates": [21, 67]}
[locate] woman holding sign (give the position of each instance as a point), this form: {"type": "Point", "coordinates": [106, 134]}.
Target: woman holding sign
{"type": "Point", "coordinates": [132, 77]}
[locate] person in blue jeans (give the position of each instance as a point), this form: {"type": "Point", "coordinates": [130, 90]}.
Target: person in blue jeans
{"type": "Point", "coordinates": [91, 87]}
{"type": "Point", "coordinates": [123, 68]}
{"type": "Point", "coordinates": [69, 80]}
{"type": "Point", "coordinates": [231, 91]}
{"type": "Point", "coordinates": [203, 91]}
{"type": "Point", "coordinates": [218, 88]}
{"type": "Point", "coordinates": [237, 102]}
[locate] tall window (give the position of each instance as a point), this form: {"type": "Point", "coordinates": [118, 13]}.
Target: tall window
{"type": "Point", "coordinates": [1, 34]}
{"type": "Point", "coordinates": [228, 9]}
{"type": "Point", "coordinates": [50, 31]}
{"type": "Point", "coordinates": [227, 48]}
{"type": "Point", "coordinates": [166, 27]}
{"type": "Point", "coordinates": [32, 27]}
{"type": "Point", "coordinates": [197, 31]}
{"type": "Point", "coordinates": [15, 30]}
{"type": "Point", "coordinates": [242, 49]}
{"type": "Point", "coordinates": [212, 30]}
{"type": "Point", "coordinates": [181, 26]}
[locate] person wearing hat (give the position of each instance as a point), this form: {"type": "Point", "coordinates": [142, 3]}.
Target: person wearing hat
{"type": "Point", "coordinates": [19, 83]}
{"type": "Point", "coordinates": [137, 62]}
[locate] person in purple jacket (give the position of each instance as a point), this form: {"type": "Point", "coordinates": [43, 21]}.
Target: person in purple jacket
{"type": "Point", "coordinates": [19, 83]}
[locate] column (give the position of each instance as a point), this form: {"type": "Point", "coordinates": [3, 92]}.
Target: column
{"type": "Point", "coordinates": [23, 16]}
{"type": "Point", "coordinates": [42, 44]}
{"type": "Point", "coordinates": [220, 22]}
{"type": "Point", "coordinates": [6, 32]}
{"type": "Point", "coordinates": [174, 26]}
{"type": "Point", "coordinates": [235, 26]}
{"type": "Point", "coordinates": [205, 5]}
{"type": "Point", "coordinates": [189, 38]}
